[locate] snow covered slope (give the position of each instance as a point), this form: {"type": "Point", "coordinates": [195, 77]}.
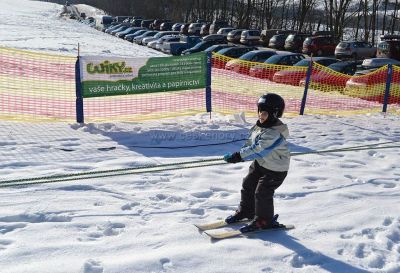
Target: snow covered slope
{"type": "Point", "coordinates": [345, 205]}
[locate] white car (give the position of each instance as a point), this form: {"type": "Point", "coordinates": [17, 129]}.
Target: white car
{"type": "Point", "coordinates": [160, 34]}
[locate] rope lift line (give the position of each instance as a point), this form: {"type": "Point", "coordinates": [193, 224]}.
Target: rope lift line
{"type": "Point", "coordinates": [167, 167]}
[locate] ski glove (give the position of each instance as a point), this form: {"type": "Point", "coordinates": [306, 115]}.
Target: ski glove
{"type": "Point", "coordinates": [233, 158]}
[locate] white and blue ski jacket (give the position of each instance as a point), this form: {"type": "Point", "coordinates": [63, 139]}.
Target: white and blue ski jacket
{"type": "Point", "coordinates": [268, 146]}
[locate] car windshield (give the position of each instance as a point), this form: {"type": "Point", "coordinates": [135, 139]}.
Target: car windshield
{"type": "Point", "coordinates": [140, 32]}
{"type": "Point", "coordinates": [199, 45]}
{"type": "Point", "coordinates": [273, 59]}
{"type": "Point", "coordinates": [248, 56]}
{"type": "Point", "coordinates": [304, 62]}
{"type": "Point", "coordinates": [339, 66]}
{"type": "Point", "coordinates": [343, 45]}
{"type": "Point", "coordinates": [212, 48]}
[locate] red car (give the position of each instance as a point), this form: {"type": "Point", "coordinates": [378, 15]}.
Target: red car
{"type": "Point", "coordinates": [370, 84]}
{"type": "Point", "coordinates": [319, 46]}
{"type": "Point", "coordinates": [275, 63]}
{"type": "Point", "coordinates": [295, 74]}
{"type": "Point", "coordinates": [328, 80]}
{"type": "Point", "coordinates": [246, 61]}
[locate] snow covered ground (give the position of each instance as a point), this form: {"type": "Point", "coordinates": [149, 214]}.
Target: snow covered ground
{"type": "Point", "coordinates": [345, 205]}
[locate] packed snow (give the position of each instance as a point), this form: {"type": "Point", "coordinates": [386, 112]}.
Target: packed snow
{"type": "Point", "coordinates": [345, 205]}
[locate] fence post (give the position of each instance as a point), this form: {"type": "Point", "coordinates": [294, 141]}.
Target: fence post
{"type": "Point", "coordinates": [78, 88]}
{"type": "Point", "coordinates": [208, 84]}
{"type": "Point", "coordinates": [308, 76]}
{"type": "Point", "coordinates": [387, 89]}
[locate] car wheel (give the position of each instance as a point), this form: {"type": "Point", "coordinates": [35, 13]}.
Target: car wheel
{"type": "Point", "coordinates": [319, 52]}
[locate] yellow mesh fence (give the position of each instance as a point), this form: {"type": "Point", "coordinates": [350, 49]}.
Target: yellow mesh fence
{"type": "Point", "coordinates": [36, 86]}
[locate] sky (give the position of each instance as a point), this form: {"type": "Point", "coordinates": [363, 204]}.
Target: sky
{"type": "Point", "coordinates": [344, 205]}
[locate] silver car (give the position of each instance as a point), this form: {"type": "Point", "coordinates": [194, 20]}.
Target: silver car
{"type": "Point", "coordinates": [355, 50]}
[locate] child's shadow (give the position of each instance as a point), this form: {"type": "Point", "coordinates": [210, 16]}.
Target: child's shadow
{"type": "Point", "coordinates": [306, 257]}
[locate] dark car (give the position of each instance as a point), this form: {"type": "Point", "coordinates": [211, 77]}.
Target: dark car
{"type": "Point", "coordinates": [216, 25]}
{"type": "Point", "coordinates": [249, 59]}
{"type": "Point", "coordinates": [217, 47]}
{"type": "Point", "coordinates": [298, 71]}
{"type": "Point", "coordinates": [146, 23]}
{"type": "Point", "coordinates": [184, 29]}
{"type": "Point", "coordinates": [319, 46]}
{"type": "Point", "coordinates": [136, 22]}
{"type": "Point", "coordinates": [120, 29]}
{"type": "Point", "coordinates": [132, 36]}
{"type": "Point", "coordinates": [389, 47]}
{"type": "Point", "coordinates": [278, 41]}
{"type": "Point", "coordinates": [294, 42]}
{"type": "Point", "coordinates": [166, 26]}
{"type": "Point", "coordinates": [230, 52]}
{"type": "Point", "coordinates": [205, 29]}
{"type": "Point", "coordinates": [275, 63]}
{"type": "Point", "coordinates": [127, 31]}
{"type": "Point", "coordinates": [200, 47]}
{"type": "Point", "coordinates": [176, 26]}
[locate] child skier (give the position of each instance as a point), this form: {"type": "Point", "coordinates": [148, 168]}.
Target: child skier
{"type": "Point", "coordinates": [268, 147]}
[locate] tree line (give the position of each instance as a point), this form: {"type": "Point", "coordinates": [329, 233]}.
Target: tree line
{"type": "Point", "coordinates": [346, 19]}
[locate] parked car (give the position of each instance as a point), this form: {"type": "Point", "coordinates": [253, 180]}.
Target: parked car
{"type": "Point", "coordinates": [355, 50]}
{"type": "Point", "coordinates": [103, 22]}
{"type": "Point", "coordinates": [225, 30]}
{"type": "Point", "coordinates": [167, 38]}
{"type": "Point", "coordinates": [194, 28]}
{"type": "Point", "coordinates": [378, 62]}
{"type": "Point", "coordinates": [158, 35]}
{"type": "Point", "coordinates": [127, 31]}
{"type": "Point", "coordinates": [278, 41]}
{"type": "Point", "coordinates": [234, 35]}
{"type": "Point", "coordinates": [136, 21]}
{"type": "Point", "coordinates": [370, 84]}
{"type": "Point", "coordinates": [165, 26]}
{"type": "Point", "coordinates": [146, 23]}
{"type": "Point", "coordinates": [176, 26]}
{"type": "Point", "coordinates": [184, 29]}
{"type": "Point", "coordinates": [132, 36]}
{"type": "Point", "coordinates": [176, 48]}
{"type": "Point", "coordinates": [250, 37]}
{"type": "Point", "coordinates": [216, 25]}
{"type": "Point", "coordinates": [200, 47]}
{"type": "Point", "coordinates": [205, 29]}
{"type": "Point", "coordinates": [294, 42]}
{"type": "Point", "coordinates": [266, 35]}
{"type": "Point", "coordinates": [112, 27]}
{"type": "Point", "coordinates": [319, 46]}
{"type": "Point", "coordinates": [298, 71]}
{"type": "Point", "coordinates": [217, 47]}
{"type": "Point", "coordinates": [334, 78]}
{"type": "Point", "coordinates": [230, 52]}
{"type": "Point", "coordinates": [215, 37]}
{"type": "Point", "coordinates": [120, 29]}
{"type": "Point", "coordinates": [389, 47]}
{"type": "Point", "coordinates": [149, 33]}
{"type": "Point", "coordinates": [275, 63]}
{"type": "Point", "coordinates": [159, 44]}
{"type": "Point", "coordinates": [249, 59]}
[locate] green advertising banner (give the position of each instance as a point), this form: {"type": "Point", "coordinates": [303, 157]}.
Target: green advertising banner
{"type": "Point", "coordinates": [111, 76]}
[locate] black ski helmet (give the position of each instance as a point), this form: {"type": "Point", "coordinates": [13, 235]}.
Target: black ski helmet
{"type": "Point", "coordinates": [271, 103]}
